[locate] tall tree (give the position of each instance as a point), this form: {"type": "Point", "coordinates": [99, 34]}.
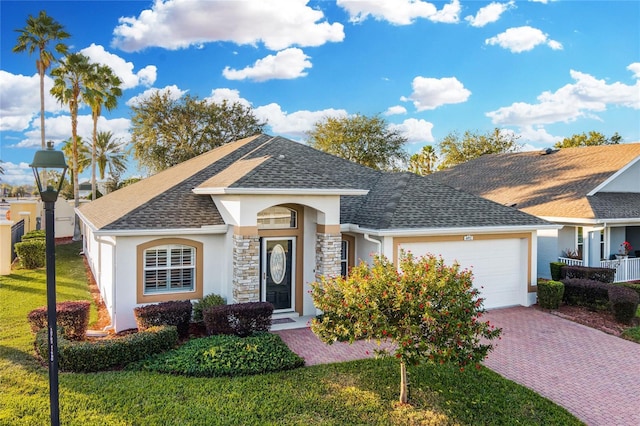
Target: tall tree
{"type": "Point", "coordinates": [39, 32]}
{"type": "Point", "coordinates": [102, 89]}
{"type": "Point", "coordinates": [167, 131]}
{"type": "Point", "coordinates": [109, 155]}
{"type": "Point", "coordinates": [424, 162]}
{"type": "Point", "coordinates": [365, 140]}
{"type": "Point", "coordinates": [84, 155]}
{"type": "Point", "coordinates": [70, 78]}
{"type": "Point", "coordinates": [456, 150]}
{"type": "Point", "coordinates": [592, 139]}
{"type": "Point", "coordinates": [428, 310]}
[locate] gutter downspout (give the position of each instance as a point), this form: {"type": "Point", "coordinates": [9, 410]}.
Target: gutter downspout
{"type": "Point", "coordinates": [113, 275]}
{"type": "Point", "coordinates": [377, 242]}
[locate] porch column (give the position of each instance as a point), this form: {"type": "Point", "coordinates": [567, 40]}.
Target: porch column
{"type": "Point", "coordinates": [328, 251]}
{"type": "Point", "coordinates": [246, 267]}
{"type": "Point", "coordinates": [5, 246]}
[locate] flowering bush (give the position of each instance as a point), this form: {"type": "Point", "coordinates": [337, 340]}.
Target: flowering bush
{"type": "Point", "coordinates": [625, 247]}
{"type": "Point", "coordinates": [429, 310]}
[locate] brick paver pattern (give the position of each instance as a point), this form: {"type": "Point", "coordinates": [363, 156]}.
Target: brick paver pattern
{"type": "Point", "coordinates": [594, 375]}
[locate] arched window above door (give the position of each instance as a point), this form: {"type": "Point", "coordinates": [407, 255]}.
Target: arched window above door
{"type": "Point", "coordinates": [277, 217]}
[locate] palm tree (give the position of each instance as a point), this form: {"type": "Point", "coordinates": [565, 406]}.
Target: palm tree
{"type": "Point", "coordinates": [70, 81]}
{"type": "Point", "coordinates": [102, 89]}
{"type": "Point", "coordinates": [37, 35]}
{"type": "Point", "coordinates": [423, 162]}
{"type": "Point", "coordinates": [84, 156]}
{"type": "Point", "coordinates": [109, 154]}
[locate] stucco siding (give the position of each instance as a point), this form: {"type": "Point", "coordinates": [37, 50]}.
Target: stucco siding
{"type": "Point", "coordinates": [547, 251]}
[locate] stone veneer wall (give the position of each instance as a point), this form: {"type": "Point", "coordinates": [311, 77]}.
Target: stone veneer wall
{"type": "Point", "coordinates": [328, 254]}
{"type": "Point", "coordinates": [246, 268]}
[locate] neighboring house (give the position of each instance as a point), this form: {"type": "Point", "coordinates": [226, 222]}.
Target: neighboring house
{"type": "Point", "coordinates": [594, 192]}
{"type": "Point", "coordinates": [261, 218]}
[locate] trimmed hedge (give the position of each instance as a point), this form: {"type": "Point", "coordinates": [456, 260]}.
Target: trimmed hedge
{"type": "Point", "coordinates": [605, 275]}
{"type": "Point", "coordinates": [177, 313]}
{"type": "Point", "coordinates": [635, 286]}
{"type": "Point", "coordinates": [36, 234]}
{"type": "Point", "coordinates": [624, 303]}
{"type": "Point", "coordinates": [72, 316]}
{"type": "Point", "coordinates": [556, 270]}
{"type": "Point", "coordinates": [208, 300]}
{"type": "Point", "coordinates": [583, 292]}
{"type": "Point", "coordinates": [550, 294]}
{"type": "Point", "coordinates": [241, 319]}
{"type": "Point", "coordinates": [32, 253]}
{"type": "Point", "coordinates": [91, 356]}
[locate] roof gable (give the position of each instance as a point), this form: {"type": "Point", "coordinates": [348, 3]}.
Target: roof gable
{"type": "Point", "coordinates": [552, 185]}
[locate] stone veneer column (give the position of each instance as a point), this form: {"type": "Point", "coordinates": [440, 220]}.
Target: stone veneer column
{"type": "Point", "coordinates": [246, 268]}
{"type": "Point", "coordinates": [328, 254]}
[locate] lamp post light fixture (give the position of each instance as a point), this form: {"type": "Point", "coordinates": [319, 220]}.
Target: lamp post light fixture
{"type": "Point", "coordinates": [44, 162]}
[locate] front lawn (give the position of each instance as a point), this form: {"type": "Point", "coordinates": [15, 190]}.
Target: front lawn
{"type": "Point", "coordinates": [359, 392]}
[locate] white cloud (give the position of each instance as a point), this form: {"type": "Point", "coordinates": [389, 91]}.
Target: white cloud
{"type": "Point", "coordinates": [286, 64]}
{"type": "Point", "coordinates": [229, 95]}
{"type": "Point", "coordinates": [522, 39]}
{"type": "Point", "coordinates": [430, 93]}
{"type": "Point", "coordinates": [20, 100]}
{"type": "Point", "coordinates": [396, 110]}
{"type": "Point", "coordinates": [536, 137]}
{"type": "Point", "coordinates": [59, 129]}
{"type": "Point", "coordinates": [294, 124]}
{"type": "Point", "coordinates": [176, 24]}
{"type": "Point", "coordinates": [635, 69]}
{"type": "Point", "coordinates": [122, 68]}
{"type": "Point", "coordinates": [173, 90]}
{"type": "Point", "coordinates": [17, 174]}
{"type": "Point", "coordinates": [415, 130]}
{"type": "Point", "coordinates": [586, 96]}
{"type": "Point", "coordinates": [488, 14]}
{"type": "Point", "coordinates": [400, 12]}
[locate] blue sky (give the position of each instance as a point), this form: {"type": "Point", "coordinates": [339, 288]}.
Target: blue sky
{"type": "Point", "coordinates": [543, 70]}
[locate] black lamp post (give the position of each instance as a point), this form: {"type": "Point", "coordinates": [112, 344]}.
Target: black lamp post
{"type": "Point", "coordinates": [45, 161]}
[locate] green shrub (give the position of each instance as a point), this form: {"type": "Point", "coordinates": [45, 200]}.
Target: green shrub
{"type": "Point", "coordinates": [36, 234]}
{"type": "Point", "coordinates": [582, 292]}
{"type": "Point", "coordinates": [624, 303]}
{"type": "Point", "coordinates": [32, 253]}
{"type": "Point", "coordinates": [177, 313]}
{"type": "Point", "coordinates": [72, 316]}
{"type": "Point", "coordinates": [91, 356]}
{"type": "Point", "coordinates": [225, 355]}
{"type": "Point", "coordinates": [208, 300]}
{"type": "Point", "coordinates": [550, 294]}
{"type": "Point", "coordinates": [556, 273]}
{"type": "Point", "coordinates": [241, 319]}
{"type": "Point", "coordinates": [635, 286]}
{"type": "Point", "coordinates": [605, 275]}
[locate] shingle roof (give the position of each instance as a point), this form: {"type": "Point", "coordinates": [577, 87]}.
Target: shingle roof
{"type": "Point", "coordinates": [393, 201]}
{"type": "Point", "coordinates": [551, 185]}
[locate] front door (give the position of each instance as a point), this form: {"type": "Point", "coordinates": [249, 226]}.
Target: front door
{"type": "Point", "coordinates": [278, 272]}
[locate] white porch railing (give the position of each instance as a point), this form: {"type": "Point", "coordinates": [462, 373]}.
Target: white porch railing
{"type": "Point", "coordinates": [627, 269]}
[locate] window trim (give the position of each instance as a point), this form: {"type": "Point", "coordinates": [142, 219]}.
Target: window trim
{"type": "Point", "coordinates": [196, 293]}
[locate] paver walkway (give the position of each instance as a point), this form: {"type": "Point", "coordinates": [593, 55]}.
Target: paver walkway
{"type": "Point", "coordinates": [594, 375]}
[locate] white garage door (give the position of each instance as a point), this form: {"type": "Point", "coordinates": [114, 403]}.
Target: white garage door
{"type": "Point", "coordinates": [499, 266]}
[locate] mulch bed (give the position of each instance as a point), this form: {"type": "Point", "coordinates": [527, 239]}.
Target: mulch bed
{"type": "Point", "coordinates": [601, 320]}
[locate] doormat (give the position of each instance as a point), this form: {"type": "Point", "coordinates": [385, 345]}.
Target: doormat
{"type": "Point", "coordinates": [281, 321]}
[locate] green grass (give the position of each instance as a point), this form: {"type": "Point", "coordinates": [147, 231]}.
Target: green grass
{"type": "Point", "coordinates": [360, 392]}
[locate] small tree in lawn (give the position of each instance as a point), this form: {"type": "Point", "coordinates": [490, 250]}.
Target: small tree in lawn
{"type": "Point", "coordinates": [429, 310]}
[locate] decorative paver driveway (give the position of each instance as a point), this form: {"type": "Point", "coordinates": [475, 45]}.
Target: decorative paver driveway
{"type": "Point", "coordinates": [594, 375]}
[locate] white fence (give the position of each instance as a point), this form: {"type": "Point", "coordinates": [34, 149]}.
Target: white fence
{"type": "Point", "coordinates": [627, 269]}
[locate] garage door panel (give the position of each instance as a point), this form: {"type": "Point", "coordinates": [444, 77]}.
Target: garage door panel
{"type": "Point", "coordinates": [497, 266]}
